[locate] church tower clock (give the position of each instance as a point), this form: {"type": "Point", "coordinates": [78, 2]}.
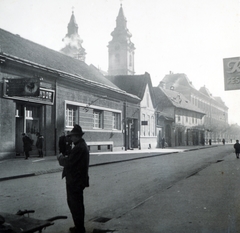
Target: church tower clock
{"type": "Point", "coordinates": [121, 49]}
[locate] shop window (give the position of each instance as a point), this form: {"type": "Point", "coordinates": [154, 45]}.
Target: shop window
{"type": "Point", "coordinates": [29, 114]}
{"type": "Point", "coordinates": [71, 115]}
{"type": "Point", "coordinates": [116, 121]}
{"type": "Point", "coordinates": [97, 119]}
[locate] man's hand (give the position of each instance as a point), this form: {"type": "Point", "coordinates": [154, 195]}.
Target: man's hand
{"type": "Point", "coordinates": [59, 155]}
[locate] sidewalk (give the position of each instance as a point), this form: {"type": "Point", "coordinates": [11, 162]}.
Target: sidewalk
{"type": "Point", "coordinates": [19, 167]}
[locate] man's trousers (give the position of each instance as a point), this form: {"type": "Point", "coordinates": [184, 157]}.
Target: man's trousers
{"type": "Point", "coordinates": [76, 206]}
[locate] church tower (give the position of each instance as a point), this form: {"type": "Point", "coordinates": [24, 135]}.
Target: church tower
{"type": "Point", "coordinates": [73, 42]}
{"type": "Point", "coordinates": [121, 49]}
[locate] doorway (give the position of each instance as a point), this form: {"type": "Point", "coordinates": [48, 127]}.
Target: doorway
{"type": "Point", "coordinates": [27, 121]}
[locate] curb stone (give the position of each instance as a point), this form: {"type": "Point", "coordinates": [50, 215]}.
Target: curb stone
{"type": "Point", "coordinates": [94, 165]}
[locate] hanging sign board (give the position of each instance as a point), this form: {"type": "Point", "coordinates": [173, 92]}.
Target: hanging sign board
{"type": "Point", "coordinates": [144, 123]}
{"type": "Point", "coordinates": [231, 73]}
{"type": "Point", "coordinates": [28, 89]}
{"type": "Point", "coordinates": [23, 87]}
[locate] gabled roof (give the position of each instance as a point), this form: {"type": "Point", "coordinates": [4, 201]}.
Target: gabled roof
{"type": "Point", "coordinates": [180, 82]}
{"type": "Point", "coordinates": [177, 80]}
{"type": "Point", "coordinates": [19, 47]}
{"type": "Point", "coordinates": [176, 99]}
{"type": "Point", "coordinates": [133, 84]}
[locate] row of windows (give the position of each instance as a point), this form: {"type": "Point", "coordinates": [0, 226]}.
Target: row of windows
{"type": "Point", "coordinates": [92, 118]}
{"type": "Point", "coordinates": [190, 120]}
{"type": "Point", "coordinates": [207, 106]}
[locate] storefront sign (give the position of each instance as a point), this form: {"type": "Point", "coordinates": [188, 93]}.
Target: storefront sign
{"type": "Point", "coordinates": [144, 123]}
{"type": "Point", "coordinates": [231, 73]}
{"type": "Point", "coordinates": [27, 90]}
{"type": "Point", "coordinates": [23, 87]}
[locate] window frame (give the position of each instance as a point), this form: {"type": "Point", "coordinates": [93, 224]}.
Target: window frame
{"type": "Point", "coordinates": [116, 121]}
{"type": "Point", "coordinates": [71, 115]}
{"type": "Point", "coordinates": [98, 119]}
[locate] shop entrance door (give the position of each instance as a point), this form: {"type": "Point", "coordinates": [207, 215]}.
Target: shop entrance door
{"type": "Point", "coordinates": [27, 121]}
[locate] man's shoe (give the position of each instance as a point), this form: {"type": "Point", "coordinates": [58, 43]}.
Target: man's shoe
{"type": "Point", "coordinates": [72, 229]}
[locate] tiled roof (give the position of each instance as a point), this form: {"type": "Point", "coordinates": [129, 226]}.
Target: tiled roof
{"type": "Point", "coordinates": [181, 83]}
{"type": "Point", "coordinates": [133, 84]}
{"type": "Point", "coordinates": [19, 47]}
{"type": "Point", "coordinates": [177, 99]}
{"type": "Point", "coordinates": [177, 80]}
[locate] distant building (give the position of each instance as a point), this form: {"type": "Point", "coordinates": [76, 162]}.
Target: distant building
{"type": "Point", "coordinates": [140, 86]}
{"type": "Point", "coordinates": [215, 122]}
{"type": "Point", "coordinates": [73, 42]}
{"type": "Point", "coordinates": [121, 49]}
{"type": "Point", "coordinates": [42, 90]}
{"type": "Point", "coordinates": [178, 120]}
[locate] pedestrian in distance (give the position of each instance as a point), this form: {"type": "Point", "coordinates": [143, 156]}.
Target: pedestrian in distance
{"type": "Point", "coordinates": [39, 144]}
{"type": "Point", "coordinates": [210, 142]}
{"type": "Point", "coordinates": [223, 141]}
{"type": "Point", "coordinates": [75, 170]}
{"type": "Point", "coordinates": [27, 145]}
{"type": "Point", "coordinates": [237, 148]}
{"type": "Point", "coordinates": [163, 142]}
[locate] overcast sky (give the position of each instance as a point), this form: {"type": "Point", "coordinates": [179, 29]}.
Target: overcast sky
{"type": "Point", "coordinates": [182, 36]}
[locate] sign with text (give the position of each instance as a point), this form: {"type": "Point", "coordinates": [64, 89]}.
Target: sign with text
{"type": "Point", "coordinates": [231, 73]}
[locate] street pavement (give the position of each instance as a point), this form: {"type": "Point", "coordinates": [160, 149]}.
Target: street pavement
{"type": "Point", "coordinates": [206, 201]}
{"type": "Point", "coordinates": [18, 167]}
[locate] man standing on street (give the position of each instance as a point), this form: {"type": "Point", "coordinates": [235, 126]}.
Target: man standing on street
{"type": "Point", "coordinates": [76, 172]}
{"type": "Point", "coordinates": [39, 144]}
{"type": "Point", "coordinates": [237, 148]}
{"type": "Point", "coordinates": [27, 145]}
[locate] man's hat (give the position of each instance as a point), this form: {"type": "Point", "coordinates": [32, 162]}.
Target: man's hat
{"type": "Point", "coordinates": [77, 130]}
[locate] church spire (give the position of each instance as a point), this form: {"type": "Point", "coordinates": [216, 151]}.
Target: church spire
{"type": "Point", "coordinates": [72, 26]}
{"type": "Point", "coordinates": [121, 25]}
{"type": "Point", "coordinates": [73, 42]}
{"type": "Point", "coordinates": [120, 48]}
